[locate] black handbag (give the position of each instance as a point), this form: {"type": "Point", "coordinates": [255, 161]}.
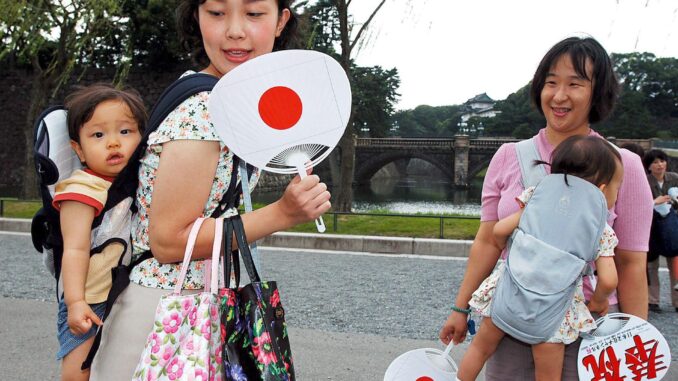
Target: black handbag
{"type": "Point", "coordinates": [664, 235]}
{"type": "Point", "coordinates": [254, 333]}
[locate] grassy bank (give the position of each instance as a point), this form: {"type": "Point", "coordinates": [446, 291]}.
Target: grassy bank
{"type": "Point", "coordinates": [12, 208]}
{"type": "Point", "coordinates": [420, 226]}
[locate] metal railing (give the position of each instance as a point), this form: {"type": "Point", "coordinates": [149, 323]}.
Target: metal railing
{"type": "Point", "coordinates": [334, 215]}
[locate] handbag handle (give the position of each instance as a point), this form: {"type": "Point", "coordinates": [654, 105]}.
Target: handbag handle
{"type": "Point", "coordinates": [192, 236]}
{"type": "Point", "coordinates": [244, 248]}
{"type": "Point", "coordinates": [230, 255]}
{"type": "Point", "coordinates": [211, 267]}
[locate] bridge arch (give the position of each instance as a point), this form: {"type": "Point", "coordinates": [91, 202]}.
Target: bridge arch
{"type": "Point", "coordinates": [459, 158]}
{"type": "Point", "coordinates": [370, 165]}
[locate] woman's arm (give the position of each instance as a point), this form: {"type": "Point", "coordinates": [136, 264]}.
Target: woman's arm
{"type": "Point", "coordinates": [483, 256]}
{"type": "Point", "coordinates": [632, 226]}
{"type": "Point", "coordinates": [182, 186]}
{"type": "Point", "coordinates": [632, 287]}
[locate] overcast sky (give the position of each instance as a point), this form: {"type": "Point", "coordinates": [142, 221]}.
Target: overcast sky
{"type": "Point", "coordinates": [447, 51]}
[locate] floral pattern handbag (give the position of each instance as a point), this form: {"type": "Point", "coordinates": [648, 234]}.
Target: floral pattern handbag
{"type": "Point", "coordinates": [185, 343]}
{"type": "Point", "coordinates": [253, 328]}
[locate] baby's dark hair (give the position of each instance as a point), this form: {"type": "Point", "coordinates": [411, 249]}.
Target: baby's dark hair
{"type": "Point", "coordinates": [84, 100]}
{"type": "Point", "coordinates": [588, 157]}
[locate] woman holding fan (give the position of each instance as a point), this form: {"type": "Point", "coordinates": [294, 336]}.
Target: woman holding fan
{"type": "Point", "coordinates": [186, 170]}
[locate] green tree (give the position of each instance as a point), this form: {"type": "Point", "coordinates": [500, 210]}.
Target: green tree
{"type": "Point", "coordinates": [331, 29]}
{"type": "Point", "coordinates": [648, 102]}
{"type": "Point", "coordinates": [52, 37]}
{"type": "Point", "coordinates": [516, 113]}
{"type": "Point", "coordinates": [427, 121]}
{"type": "Point", "coordinates": [374, 94]}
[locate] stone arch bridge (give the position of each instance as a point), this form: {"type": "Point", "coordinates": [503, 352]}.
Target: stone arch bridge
{"type": "Point", "coordinates": [459, 158]}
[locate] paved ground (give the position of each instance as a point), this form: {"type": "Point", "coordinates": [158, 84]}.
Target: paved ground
{"type": "Point", "coordinates": [350, 315]}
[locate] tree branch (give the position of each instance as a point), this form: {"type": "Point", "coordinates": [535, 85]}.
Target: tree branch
{"type": "Point", "coordinates": [364, 26]}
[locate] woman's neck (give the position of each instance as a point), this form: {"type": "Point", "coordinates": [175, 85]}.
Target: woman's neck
{"type": "Point", "coordinates": [555, 137]}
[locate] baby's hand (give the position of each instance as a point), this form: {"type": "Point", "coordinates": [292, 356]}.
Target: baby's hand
{"type": "Point", "coordinates": [81, 317]}
{"type": "Point", "coordinates": [599, 306]}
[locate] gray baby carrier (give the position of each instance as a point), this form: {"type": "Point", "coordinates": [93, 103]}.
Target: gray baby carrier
{"type": "Point", "coordinates": [557, 237]}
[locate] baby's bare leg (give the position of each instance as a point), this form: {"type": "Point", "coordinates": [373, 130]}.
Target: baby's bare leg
{"type": "Point", "coordinates": [70, 365]}
{"type": "Point", "coordinates": [482, 347]}
{"type": "Point", "coordinates": [548, 361]}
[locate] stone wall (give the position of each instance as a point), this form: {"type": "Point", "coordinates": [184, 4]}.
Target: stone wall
{"type": "Point", "coordinates": [15, 101]}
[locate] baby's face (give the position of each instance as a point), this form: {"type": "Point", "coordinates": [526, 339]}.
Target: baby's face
{"type": "Point", "coordinates": [108, 139]}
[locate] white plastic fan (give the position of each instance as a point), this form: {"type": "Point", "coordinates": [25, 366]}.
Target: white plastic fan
{"type": "Point", "coordinates": [283, 112]}
{"type": "Point", "coordinates": [424, 364]}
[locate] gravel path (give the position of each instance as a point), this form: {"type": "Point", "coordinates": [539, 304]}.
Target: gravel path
{"type": "Point", "coordinates": [398, 297]}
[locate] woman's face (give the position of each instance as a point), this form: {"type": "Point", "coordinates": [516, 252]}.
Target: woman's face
{"type": "Point", "coordinates": [566, 98]}
{"type": "Point", "coordinates": [658, 168]}
{"type": "Point", "coordinates": [235, 31]}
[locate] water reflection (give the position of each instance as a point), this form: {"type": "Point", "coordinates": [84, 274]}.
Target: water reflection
{"type": "Point", "coordinates": [417, 194]}
{"type": "Point", "coordinates": [421, 189]}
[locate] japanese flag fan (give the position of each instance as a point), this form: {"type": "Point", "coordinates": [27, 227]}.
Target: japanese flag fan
{"type": "Point", "coordinates": [284, 111]}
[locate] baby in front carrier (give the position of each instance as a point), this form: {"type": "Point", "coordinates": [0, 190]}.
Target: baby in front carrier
{"type": "Point", "coordinates": [512, 283]}
{"type": "Point", "coordinates": [104, 125]}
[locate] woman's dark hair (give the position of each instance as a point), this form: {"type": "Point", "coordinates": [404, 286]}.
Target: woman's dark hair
{"type": "Point", "coordinates": [604, 81]}
{"type": "Point", "coordinates": [191, 38]}
{"type": "Point", "coordinates": [84, 100]}
{"type": "Point", "coordinates": [653, 155]}
{"type": "Point", "coordinates": [588, 157]}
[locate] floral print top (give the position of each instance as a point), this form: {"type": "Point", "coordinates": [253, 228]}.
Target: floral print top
{"type": "Point", "coordinates": [189, 121]}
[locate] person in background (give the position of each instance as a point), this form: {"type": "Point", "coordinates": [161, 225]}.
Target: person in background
{"type": "Point", "coordinates": [660, 181]}
{"type": "Point", "coordinates": [635, 148]}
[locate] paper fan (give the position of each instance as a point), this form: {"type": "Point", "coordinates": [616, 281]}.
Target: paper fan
{"type": "Point", "coordinates": [283, 112]}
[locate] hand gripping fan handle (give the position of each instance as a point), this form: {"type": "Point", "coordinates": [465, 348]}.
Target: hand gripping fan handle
{"type": "Point", "coordinates": [319, 223]}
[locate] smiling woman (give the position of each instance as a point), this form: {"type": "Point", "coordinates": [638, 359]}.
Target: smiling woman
{"type": "Point", "coordinates": [573, 86]}
{"type": "Point", "coordinates": [186, 172]}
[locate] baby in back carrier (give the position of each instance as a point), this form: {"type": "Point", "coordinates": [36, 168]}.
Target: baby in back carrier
{"type": "Point", "coordinates": [104, 126]}
{"type": "Point", "coordinates": [536, 296]}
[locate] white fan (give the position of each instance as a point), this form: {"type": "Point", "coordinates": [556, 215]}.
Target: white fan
{"type": "Point", "coordinates": [283, 112]}
{"type": "Point", "coordinates": [424, 364]}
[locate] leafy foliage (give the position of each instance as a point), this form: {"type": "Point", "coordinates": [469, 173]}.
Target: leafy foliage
{"type": "Point", "coordinates": [374, 88]}
{"type": "Point", "coordinates": [374, 94]}
{"type": "Point", "coordinates": [647, 106]}
{"type": "Point", "coordinates": [427, 121]}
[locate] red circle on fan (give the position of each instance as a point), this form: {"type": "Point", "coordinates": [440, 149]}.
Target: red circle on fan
{"type": "Point", "coordinates": [280, 107]}
{"type": "Point", "coordinates": [424, 378]}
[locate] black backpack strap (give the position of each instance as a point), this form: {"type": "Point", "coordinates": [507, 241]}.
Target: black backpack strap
{"type": "Point", "coordinates": [126, 182]}
{"type": "Point", "coordinates": [120, 281]}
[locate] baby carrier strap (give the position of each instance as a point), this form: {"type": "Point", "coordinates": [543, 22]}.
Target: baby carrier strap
{"type": "Point", "coordinates": [126, 182]}
{"type": "Point", "coordinates": [54, 160]}
{"type": "Point", "coordinates": [544, 265]}
{"type": "Point", "coordinates": [527, 152]}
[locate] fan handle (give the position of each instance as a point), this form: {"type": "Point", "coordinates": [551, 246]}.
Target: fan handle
{"type": "Point", "coordinates": [299, 160]}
